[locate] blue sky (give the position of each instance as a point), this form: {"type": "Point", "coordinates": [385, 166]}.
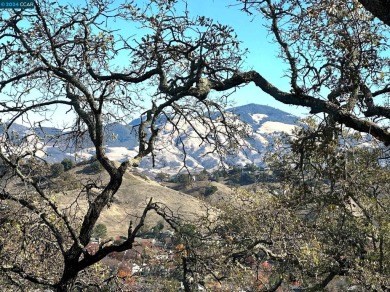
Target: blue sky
{"type": "Point", "coordinates": [253, 35]}
{"type": "Point", "coordinates": [262, 55]}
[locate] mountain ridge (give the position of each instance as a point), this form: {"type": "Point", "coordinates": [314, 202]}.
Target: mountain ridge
{"type": "Point", "coordinates": [171, 151]}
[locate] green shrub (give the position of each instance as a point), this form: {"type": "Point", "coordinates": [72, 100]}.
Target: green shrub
{"type": "Point", "coordinates": [202, 176]}
{"type": "Point", "coordinates": [67, 163]}
{"type": "Point", "coordinates": [56, 169]}
{"type": "Point", "coordinates": [247, 178]}
{"type": "Point", "coordinates": [183, 178]}
{"type": "Point", "coordinates": [210, 190]}
{"type": "Point", "coordinates": [162, 176]}
{"type": "Point", "coordinates": [94, 167]}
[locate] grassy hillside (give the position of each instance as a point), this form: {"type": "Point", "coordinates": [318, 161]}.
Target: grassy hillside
{"type": "Point", "coordinates": [130, 201]}
{"type": "Point", "coordinates": [198, 189]}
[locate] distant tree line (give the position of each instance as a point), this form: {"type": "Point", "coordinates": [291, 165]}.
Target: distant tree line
{"type": "Point", "coordinates": [234, 175]}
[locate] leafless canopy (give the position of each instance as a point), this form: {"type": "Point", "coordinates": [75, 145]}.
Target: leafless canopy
{"type": "Point", "coordinates": [66, 59]}
{"type": "Point", "coordinates": [336, 53]}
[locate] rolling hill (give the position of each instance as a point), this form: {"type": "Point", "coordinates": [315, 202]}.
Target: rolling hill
{"type": "Point", "coordinates": [130, 201]}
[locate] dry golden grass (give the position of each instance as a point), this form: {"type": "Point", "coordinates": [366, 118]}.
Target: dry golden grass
{"type": "Point", "coordinates": [130, 201]}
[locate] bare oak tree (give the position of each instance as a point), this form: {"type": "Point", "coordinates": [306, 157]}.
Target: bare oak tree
{"type": "Point", "coordinates": [66, 58]}
{"type": "Point", "coordinates": [57, 59]}
{"type": "Point", "coordinates": [337, 59]}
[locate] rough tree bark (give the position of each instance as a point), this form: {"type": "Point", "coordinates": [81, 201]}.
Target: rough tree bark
{"type": "Point", "coordinates": [70, 56]}
{"type": "Point", "coordinates": [379, 8]}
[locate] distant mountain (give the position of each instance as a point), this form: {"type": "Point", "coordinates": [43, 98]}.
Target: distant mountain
{"type": "Point", "coordinates": [262, 122]}
{"type": "Point", "coordinates": [256, 115]}
{"type": "Point", "coordinates": [14, 127]}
